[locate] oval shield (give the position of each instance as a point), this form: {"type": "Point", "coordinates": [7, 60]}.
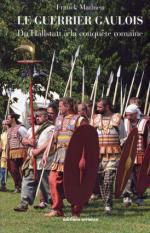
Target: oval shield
{"type": "Point", "coordinates": [126, 162]}
{"type": "Point", "coordinates": [81, 165]}
{"type": "Point", "coordinates": [144, 175]}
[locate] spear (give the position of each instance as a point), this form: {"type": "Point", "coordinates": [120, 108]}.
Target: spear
{"type": "Point", "coordinates": [93, 90]}
{"type": "Point", "coordinates": [32, 119]}
{"type": "Point", "coordinates": [71, 86]}
{"type": "Point", "coordinates": [124, 98]}
{"type": "Point", "coordinates": [147, 97]}
{"type": "Point", "coordinates": [49, 78]}
{"type": "Point", "coordinates": [121, 97]}
{"type": "Point", "coordinates": [131, 86]}
{"type": "Point", "coordinates": [102, 92]}
{"type": "Point", "coordinates": [138, 91]}
{"type": "Point", "coordinates": [71, 79]}
{"type": "Point", "coordinates": [71, 72]}
{"type": "Point", "coordinates": [148, 112]}
{"type": "Point", "coordinates": [109, 83]}
{"type": "Point", "coordinates": [116, 87]}
{"type": "Point", "coordinates": [96, 85]}
{"type": "Point", "coordinates": [83, 84]}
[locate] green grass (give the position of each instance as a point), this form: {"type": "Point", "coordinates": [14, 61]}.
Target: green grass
{"type": "Point", "coordinates": [134, 219]}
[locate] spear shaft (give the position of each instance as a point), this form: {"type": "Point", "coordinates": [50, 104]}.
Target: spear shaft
{"type": "Point", "coordinates": [124, 98]}
{"type": "Point", "coordinates": [121, 98]}
{"type": "Point", "coordinates": [71, 72]}
{"type": "Point", "coordinates": [83, 85]}
{"type": "Point", "coordinates": [147, 97]}
{"type": "Point", "coordinates": [49, 78]}
{"type": "Point", "coordinates": [32, 122]}
{"type": "Point", "coordinates": [103, 92]}
{"type": "Point", "coordinates": [115, 94]}
{"type": "Point", "coordinates": [138, 91]}
{"type": "Point", "coordinates": [93, 90]}
{"type": "Point", "coordinates": [96, 85]}
{"type": "Point", "coordinates": [148, 112]}
{"type": "Point", "coordinates": [71, 79]}
{"type": "Point", "coordinates": [116, 87]}
{"type": "Point", "coordinates": [131, 86]}
{"type": "Point", "coordinates": [109, 84]}
{"type": "Point", "coordinates": [71, 85]}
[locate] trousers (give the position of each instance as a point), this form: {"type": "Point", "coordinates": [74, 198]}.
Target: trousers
{"type": "Point", "coordinates": [107, 174]}
{"type": "Point", "coordinates": [56, 187]}
{"type": "Point", "coordinates": [14, 167]}
{"type": "Point", "coordinates": [132, 182]}
{"type": "Point", "coordinates": [29, 187]}
{"type": "Point", "coordinates": [3, 174]}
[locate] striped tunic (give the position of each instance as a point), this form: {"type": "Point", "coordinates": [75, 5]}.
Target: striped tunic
{"type": "Point", "coordinates": [65, 127]}
{"type": "Point", "coordinates": [142, 126]}
{"type": "Point", "coordinates": [16, 148]}
{"type": "Point", "coordinates": [108, 135]}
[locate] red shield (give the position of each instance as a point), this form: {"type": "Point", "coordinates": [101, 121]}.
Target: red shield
{"type": "Point", "coordinates": [126, 162]}
{"type": "Point", "coordinates": [144, 175]}
{"type": "Point", "coordinates": [81, 165]}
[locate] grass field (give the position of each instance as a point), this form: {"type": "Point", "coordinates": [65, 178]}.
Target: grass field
{"type": "Point", "coordinates": [93, 220]}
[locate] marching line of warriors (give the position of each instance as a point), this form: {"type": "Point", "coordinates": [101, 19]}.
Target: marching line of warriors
{"type": "Point", "coordinates": [24, 157]}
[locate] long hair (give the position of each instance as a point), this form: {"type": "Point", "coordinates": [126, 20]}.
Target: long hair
{"type": "Point", "coordinates": [14, 116]}
{"type": "Point", "coordinates": [70, 103]}
{"type": "Point", "coordinates": [106, 102]}
{"type": "Point", "coordinates": [84, 107]}
{"type": "Point", "coordinates": [54, 106]}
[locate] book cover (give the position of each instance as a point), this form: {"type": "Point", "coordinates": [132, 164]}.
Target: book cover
{"type": "Point", "coordinates": [101, 43]}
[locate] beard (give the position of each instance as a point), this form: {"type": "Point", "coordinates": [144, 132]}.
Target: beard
{"type": "Point", "coordinates": [49, 118]}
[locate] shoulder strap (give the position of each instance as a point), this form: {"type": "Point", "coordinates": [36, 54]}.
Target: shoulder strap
{"type": "Point", "coordinates": [141, 125]}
